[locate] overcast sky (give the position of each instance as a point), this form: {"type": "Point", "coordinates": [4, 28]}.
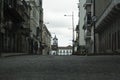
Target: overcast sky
{"type": "Point", "coordinates": [59, 25]}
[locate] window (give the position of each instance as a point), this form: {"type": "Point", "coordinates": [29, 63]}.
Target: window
{"type": "Point", "coordinates": [40, 2]}
{"type": "Point", "coordinates": [67, 51]}
{"type": "Point", "coordinates": [89, 18]}
{"type": "Point", "coordinates": [60, 51]}
{"type": "Point", "coordinates": [63, 51]}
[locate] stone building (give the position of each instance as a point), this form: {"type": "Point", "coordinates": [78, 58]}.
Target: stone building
{"type": "Point", "coordinates": [80, 42]}
{"type": "Point", "coordinates": [46, 41]}
{"type": "Point", "coordinates": [108, 25]}
{"type": "Point", "coordinates": [77, 40]}
{"type": "Point", "coordinates": [36, 24]}
{"type": "Point", "coordinates": [21, 23]}
{"type": "Point", "coordinates": [104, 36]}
{"type": "Point", "coordinates": [65, 50]}
{"type": "Point", "coordinates": [88, 27]}
{"type": "Point", "coordinates": [14, 27]}
{"type": "Point", "coordinates": [40, 25]}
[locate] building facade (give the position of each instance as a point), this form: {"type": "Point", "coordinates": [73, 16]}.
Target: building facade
{"type": "Point", "coordinates": [65, 51]}
{"type": "Point", "coordinates": [36, 24]}
{"type": "Point", "coordinates": [102, 36]}
{"type": "Point", "coordinates": [14, 30]}
{"type": "Point", "coordinates": [79, 31]}
{"type": "Point", "coordinates": [40, 25]}
{"type": "Point", "coordinates": [88, 27]}
{"type": "Point", "coordinates": [1, 26]}
{"type": "Point", "coordinates": [108, 26]}
{"type": "Point", "coordinates": [76, 43]}
{"type": "Point", "coordinates": [21, 23]}
{"type": "Point", "coordinates": [46, 37]}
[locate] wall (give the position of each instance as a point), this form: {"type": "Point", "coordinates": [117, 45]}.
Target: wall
{"type": "Point", "coordinates": [81, 22]}
{"type": "Point", "coordinates": [46, 40]}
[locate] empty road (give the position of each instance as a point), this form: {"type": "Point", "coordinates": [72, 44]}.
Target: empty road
{"type": "Point", "coordinates": [36, 67]}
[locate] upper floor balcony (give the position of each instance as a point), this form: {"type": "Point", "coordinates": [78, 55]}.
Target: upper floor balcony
{"type": "Point", "coordinates": [87, 22]}
{"type": "Point", "coordinates": [16, 10]}
{"type": "Point", "coordinates": [13, 11]}
{"type": "Point", "coordinates": [87, 5]}
{"type": "Point", "coordinates": [25, 8]}
{"type": "Point", "coordinates": [108, 14]}
{"type": "Point", "coordinates": [87, 34]}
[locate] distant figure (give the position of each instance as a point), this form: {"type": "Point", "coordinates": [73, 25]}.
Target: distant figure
{"type": "Point", "coordinates": [35, 47]}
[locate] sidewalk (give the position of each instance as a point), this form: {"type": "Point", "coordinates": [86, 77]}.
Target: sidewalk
{"type": "Point", "coordinates": [12, 54]}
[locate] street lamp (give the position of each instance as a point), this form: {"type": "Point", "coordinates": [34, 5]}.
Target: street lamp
{"type": "Point", "coordinates": [73, 29]}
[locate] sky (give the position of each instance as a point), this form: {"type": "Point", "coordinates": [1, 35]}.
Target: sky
{"type": "Point", "coordinates": [57, 23]}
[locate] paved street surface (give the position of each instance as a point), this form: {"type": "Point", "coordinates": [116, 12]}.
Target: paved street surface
{"type": "Point", "coordinates": [36, 67]}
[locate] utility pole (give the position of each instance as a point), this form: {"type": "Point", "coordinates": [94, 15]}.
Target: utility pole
{"type": "Point", "coordinates": [73, 32]}
{"type": "Point", "coordinates": [73, 51]}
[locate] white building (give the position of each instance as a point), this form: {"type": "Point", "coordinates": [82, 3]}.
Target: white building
{"type": "Point", "coordinates": [65, 50]}
{"type": "Point", "coordinates": [81, 21]}
{"type": "Point", "coordinates": [79, 29]}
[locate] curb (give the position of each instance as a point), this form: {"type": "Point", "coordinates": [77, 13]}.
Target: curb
{"type": "Point", "coordinates": [12, 54]}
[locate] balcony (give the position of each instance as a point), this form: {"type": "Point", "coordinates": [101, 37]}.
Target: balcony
{"type": "Point", "coordinates": [87, 22]}
{"type": "Point", "coordinates": [26, 8]}
{"type": "Point", "coordinates": [18, 11]}
{"type": "Point", "coordinates": [14, 13]}
{"type": "Point", "coordinates": [87, 6]}
{"type": "Point", "coordinates": [87, 35]}
{"type": "Point", "coordinates": [111, 12]}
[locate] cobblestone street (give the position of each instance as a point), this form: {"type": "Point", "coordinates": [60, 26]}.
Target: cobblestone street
{"type": "Point", "coordinates": [37, 67]}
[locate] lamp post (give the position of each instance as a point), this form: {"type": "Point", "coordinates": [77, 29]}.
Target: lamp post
{"type": "Point", "coordinates": [73, 31]}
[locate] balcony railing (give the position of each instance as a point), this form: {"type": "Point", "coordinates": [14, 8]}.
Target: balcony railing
{"type": "Point", "coordinates": [24, 7]}
{"type": "Point", "coordinates": [112, 5]}
{"type": "Point", "coordinates": [87, 34]}
{"type": "Point", "coordinates": [14, 12]}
